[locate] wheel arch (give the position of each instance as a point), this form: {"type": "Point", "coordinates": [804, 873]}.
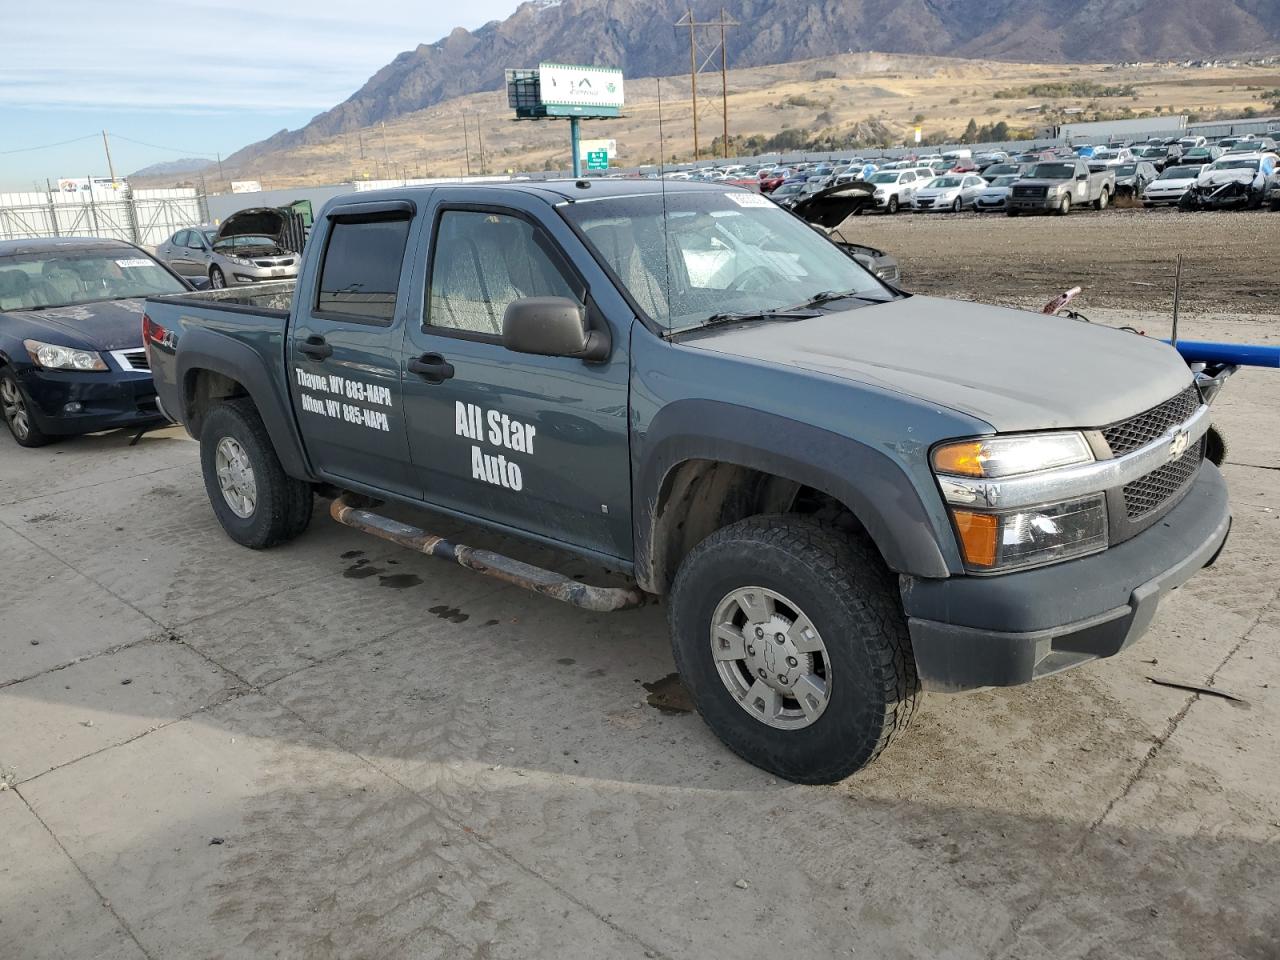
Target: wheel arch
{"type": "Point", "coordinates": [688, 486]}
{"type": "Point", "coordinates": [214, 367]}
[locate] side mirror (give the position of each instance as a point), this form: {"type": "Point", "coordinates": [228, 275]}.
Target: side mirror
{"type": "Point", "coordinates": [552, 327]}
{"type": "Point", "coordinates": [1082, 176]}
{"type": "Point", "coordinates": [198, 283]}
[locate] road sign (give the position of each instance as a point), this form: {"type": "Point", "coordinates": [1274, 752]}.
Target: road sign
{"type": "Point", "coordinates": [597, 160]}
{"type": "Point", "coordinates": [918, 132]}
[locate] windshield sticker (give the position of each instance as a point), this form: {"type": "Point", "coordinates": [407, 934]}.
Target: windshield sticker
{"type": "Point", "coordinates": [340, 388]}
{"type": "Point", "coordinates": [135, 262]}
{"type": "Point", "coordinates": [498, 430]}
{"type": "Point", "coordinates": [745, 199]}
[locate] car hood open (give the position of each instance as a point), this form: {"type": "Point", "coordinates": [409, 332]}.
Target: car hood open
{"type": "Point", "coordinates": [830, 207]}
{"type": "Point", "coordinates": [254, 222]}
{"type": "Point", "coordinates": [1014, 369]}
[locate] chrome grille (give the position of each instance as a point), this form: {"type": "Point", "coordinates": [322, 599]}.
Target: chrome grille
{"type": "Point", "coordinates": [1033, 192]}
{"type": "Point", "coordinates": [1159, 486]}
{"type": "Point", "coordinates": [1138, 431]}
{"type": "Point", "coordinates": [135, 359]}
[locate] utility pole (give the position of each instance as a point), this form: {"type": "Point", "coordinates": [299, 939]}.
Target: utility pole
{"type": "Point", "coordinates": [466, 143]}
{"type": "Point", "coordinates": [360, 134]}
{"type": "Point", "coordinates": [696, 67]}
{"type": "Point", "coordinates": [480, 140]}
{"type": "Point", "coordinates": [106, 146]}
{"type": "Point", "coordinates": [386, 154]}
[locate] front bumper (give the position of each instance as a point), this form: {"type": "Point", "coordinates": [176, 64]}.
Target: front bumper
{"type": "Point", "coordinates": [107, 400]}
{"type": "Point", "coordinates": [1034, 204]}
{"type": "Point", "coordinates": [244, 276]}
{"type": "Point", "coordinates": [970, 632]}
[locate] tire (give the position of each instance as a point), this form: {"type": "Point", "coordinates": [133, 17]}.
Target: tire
{"type": "Point", "coordinates": [281, 505]}
{"type": "Point", "coordinates": [1064, 207]}
{"type": "Point", "coordinates": [217, 279]}
{"type": "Point", "coordinates": [957, 205]}
{"type": "Point", "coordinates": [1011, 213]}
{"type": "Point", "coordinates": [843, 588]}
{"type": "Point", "coordinates": [1103, 199]}
{"type": "Point", "coordinates": [15, 408]}
{"type": "Point", "coordinates": [1275, 206]}
{"type": "Point", "coordinates": [1215, 446]}
{"type": "Point", "coordinates": [1148, 204]}
{"type": "Point", "coordinates": [892, 206]}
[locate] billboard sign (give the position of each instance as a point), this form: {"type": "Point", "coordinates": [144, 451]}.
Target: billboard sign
{"type": "Point", "coordinates": [562, 85]}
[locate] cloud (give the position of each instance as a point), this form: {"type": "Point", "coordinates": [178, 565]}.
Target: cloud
{"type": "Point", "coordinates": [214, 55]}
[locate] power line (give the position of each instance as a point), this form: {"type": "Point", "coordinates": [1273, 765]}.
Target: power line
{"type": "Point", "coordinates": [156, 146]}
{"type": "Point", "coordinates": [47, 146]}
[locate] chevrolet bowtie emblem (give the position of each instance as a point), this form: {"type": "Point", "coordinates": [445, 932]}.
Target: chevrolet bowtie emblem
{"type": "Point", "coordinates": [1178, 445]}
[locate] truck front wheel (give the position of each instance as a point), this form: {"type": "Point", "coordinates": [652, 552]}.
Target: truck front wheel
{"type": "Point", "coordinates": [790, 637]}
{"type": "Point", "coordinates": [1065, 207]}
{"type": "Point", "coordinates": [257, 503]}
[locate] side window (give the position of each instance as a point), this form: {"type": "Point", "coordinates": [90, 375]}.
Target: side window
{"type": "Point", "coordinates": [482, 262]}
{"type": "Point", "coordinates": [194, 240]}
{"type": "Point", "coordinates": [179, 239]}
{"type": "Point", "coordinates": [360, 276]}
{"type": "Point", "coordinates": [906, 178]}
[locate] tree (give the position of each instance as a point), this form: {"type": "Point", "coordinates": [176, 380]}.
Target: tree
{"type": "Point", "coordinates": [970, 134]}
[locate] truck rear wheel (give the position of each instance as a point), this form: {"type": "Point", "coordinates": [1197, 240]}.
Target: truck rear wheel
{"type": "Point", "coordinates": [257, 503]}
{"type": "Point", "coordinates": [791, 639]}
{"type": "Point", "coordinates": [1103, 199]}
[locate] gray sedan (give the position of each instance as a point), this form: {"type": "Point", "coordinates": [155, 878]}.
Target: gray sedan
{"type": "Point", "coordinates": [236, 260]}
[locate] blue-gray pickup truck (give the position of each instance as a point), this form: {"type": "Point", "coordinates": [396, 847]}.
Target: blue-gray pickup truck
{"type": "Point", "coordinates": [844, 494]}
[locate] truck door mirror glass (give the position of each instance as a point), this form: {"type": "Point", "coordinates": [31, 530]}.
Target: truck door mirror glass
{"type": "Point", "coordinates": [551, 327]}
{"type": "Point", "coordinates": [1082, 176]}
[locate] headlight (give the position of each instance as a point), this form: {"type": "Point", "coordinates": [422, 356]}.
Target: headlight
{"type": "Point", "coordinates": [993, 540]}
{"type": "Point", "coordinates": [1009, 456]}
{"type": "Point", "coordinates": [239, 260]}
{"type": "Point", "coordinates": [51, 356]}
{"type": "Point", "coordinates": [1031, 536]}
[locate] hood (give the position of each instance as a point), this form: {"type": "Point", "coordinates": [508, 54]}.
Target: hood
{"type": "Point", "coordinates": [254, 222]}
{"type": "Point", "coordinates": [1013, 369]}
{"type": "Point", "coordinates": [106, 325]}
{"type": "Point", "coordinates": [829, 208]}
{"type": "Point", "coordinates": [936, 191]}
{"type": "Point", "coordinates": [1219, 177]}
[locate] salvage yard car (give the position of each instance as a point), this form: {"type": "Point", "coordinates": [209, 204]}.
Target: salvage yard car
{"type": "Point", "coordinates": [1171, 185]}
{"type": "Point", "coordinates": [247, 248]}
{"type": "Point", "coordinates": [845, 493]}
{"type": "Point", "coordinates": [950, 193]}
{"type": "Point", "coordinates": [1235, 181]}
{"type": "Point", "coordinates": [1059, 185]}
{"type": "Point", "coordinates": [895, 188]}
{"type": "Point", "coordinates": [71, 355]}
{"type": "Point", "coordinates": [996, 194]}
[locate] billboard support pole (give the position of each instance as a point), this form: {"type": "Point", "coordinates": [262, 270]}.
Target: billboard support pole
{"type": "Point", "coordinates": [573, 140]}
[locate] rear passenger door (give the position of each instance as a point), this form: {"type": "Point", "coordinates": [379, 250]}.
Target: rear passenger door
{"type": "Point", "coordinates": [344, 348]}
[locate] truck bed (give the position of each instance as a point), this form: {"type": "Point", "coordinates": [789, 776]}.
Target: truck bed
{"type": "Point", "coordinates": [265, 298]}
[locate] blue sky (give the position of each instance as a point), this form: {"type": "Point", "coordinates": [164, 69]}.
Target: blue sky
{"type": "Point", "coordinates": [189, 77]}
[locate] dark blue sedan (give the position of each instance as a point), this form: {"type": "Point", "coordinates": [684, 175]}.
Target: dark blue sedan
{"type": "Point", "coordinates": [71, 353]}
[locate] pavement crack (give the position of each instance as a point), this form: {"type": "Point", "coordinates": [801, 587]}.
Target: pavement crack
{"type": "Point", "coordinates": [102, 898]}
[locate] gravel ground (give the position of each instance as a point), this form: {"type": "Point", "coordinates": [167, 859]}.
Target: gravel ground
{"type": "Point", "coordinates": [1123, 258]}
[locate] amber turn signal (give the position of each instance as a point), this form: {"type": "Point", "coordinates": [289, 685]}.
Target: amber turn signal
{"type": "Point", "coordinates": [979, 536]}
{"type": "Point", "coordinates": [963, 459]}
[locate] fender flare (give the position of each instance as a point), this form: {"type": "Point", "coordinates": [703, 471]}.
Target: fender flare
{"type": "Point", "coordinates": [266, 385]}
{"type": "Point", "coordinates": [877, 490]}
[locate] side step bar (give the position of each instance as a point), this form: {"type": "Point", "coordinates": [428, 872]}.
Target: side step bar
{"type": "Point", "coordinates": [539, 580]}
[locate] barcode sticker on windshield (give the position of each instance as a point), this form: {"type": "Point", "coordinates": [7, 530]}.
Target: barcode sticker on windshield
{"type": "Point", "coordinates": [749, 199]}
{"type": "Point", "coordinates": [136, 262]}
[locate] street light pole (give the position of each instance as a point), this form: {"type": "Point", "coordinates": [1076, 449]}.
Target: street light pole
{"type": "Point", "coordinates": [573, 140]}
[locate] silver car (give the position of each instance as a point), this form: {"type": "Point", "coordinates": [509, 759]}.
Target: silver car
{"type": "Point", "coordinates": [245, 249]}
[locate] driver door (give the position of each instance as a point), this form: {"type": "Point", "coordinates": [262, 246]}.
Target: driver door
{"type": "Point", "coordinates": [535, 443]}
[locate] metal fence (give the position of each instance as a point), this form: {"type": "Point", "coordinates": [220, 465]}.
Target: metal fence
{"type": "Point", "coordinates": [145, 217]}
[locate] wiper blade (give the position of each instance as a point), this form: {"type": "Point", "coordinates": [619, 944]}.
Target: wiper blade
{"type": "Point", "coordinates": [753, 315]}
{"type": "Point", "coordinates": [830, 296]}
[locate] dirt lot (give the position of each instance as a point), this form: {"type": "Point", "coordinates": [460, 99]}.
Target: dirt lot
{"type": "Point", "coordinates": [337, 749]}
{"type": "Point", "coordinates": [1123, 258]}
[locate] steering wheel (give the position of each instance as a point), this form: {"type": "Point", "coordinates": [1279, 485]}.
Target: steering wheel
{"type": "Point", "coordinates": [758, 279]}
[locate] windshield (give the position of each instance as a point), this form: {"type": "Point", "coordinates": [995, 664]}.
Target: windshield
{"type": "Point", "coordinates": [1152, 152]}
{"type": "Point", "coordinates": [1126, 169]}
{"type": "Point", "coordinates": [1235, 165]}
{"type": "Point", "coordinates": [245, 242]}
{"type": "Point", "coordinates": [61, 278]}
{"type": "Point", "coordinates": [1005, 181]}
{"type": "Point", "coordinates": [714, 253]}
{"type": "Point", "coordinates": [1053, 171]}
{"type": "Point", "coordinates": [942, 183]}
{"type": "Point", "coordinates": [1180, 173]}
{"type": "Point", "coordinates": [787, 189]}
{"type": "Point", "coordinates": [883, 178]}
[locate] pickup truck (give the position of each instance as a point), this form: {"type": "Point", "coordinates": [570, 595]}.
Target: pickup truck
{"type": "Point", "coordinates": [1055, 186]}
{"type": "Point", "coordinates": [843, 493]}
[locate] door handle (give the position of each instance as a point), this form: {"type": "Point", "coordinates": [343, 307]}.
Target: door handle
{"type": "Point", "coordinates": [315, 347]}
{"type": "Point", "coordinates": [432, 367]}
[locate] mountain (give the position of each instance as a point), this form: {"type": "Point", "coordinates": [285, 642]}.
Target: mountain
{"type": "Point", "coordinates": [173, 168]}
{"type": "Point", "coordinates": [639, 37]}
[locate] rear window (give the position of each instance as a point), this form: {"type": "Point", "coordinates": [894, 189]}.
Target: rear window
{"type": "Point", "coordinates": [360, 276]}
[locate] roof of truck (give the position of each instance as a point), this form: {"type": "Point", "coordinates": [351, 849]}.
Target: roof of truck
{"type": "Point", "coordinates": [551, 190]}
